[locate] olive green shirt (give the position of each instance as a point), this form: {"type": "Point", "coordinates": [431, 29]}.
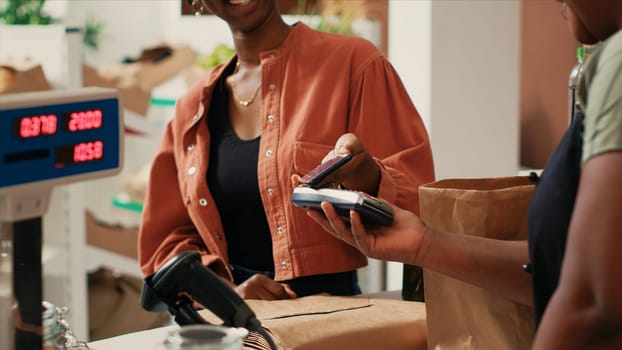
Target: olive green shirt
{"type": "Point", "coordinates": [600, 95]}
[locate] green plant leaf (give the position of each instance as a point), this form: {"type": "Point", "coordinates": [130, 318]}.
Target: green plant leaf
{"type": "Point", "coordinates": [92, 33]}
{"type": "Point", "coordinates": [25, 12]}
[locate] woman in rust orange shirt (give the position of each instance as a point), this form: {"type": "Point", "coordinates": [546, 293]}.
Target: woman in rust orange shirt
{"type": "Point", "coordinates": [220, 181]}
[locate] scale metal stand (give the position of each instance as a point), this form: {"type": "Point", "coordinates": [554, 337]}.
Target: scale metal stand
{"type": "Point", "coordinates": [46, 139]}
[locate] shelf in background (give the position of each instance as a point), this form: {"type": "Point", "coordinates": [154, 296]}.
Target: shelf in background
{"type": "Point", "coordinates": [97, 257]}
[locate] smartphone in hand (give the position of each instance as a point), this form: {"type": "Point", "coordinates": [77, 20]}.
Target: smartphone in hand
{"type": "Point", "coordinates": [373, 211]}
{"type": "Point", "coordinates": [319, 173]}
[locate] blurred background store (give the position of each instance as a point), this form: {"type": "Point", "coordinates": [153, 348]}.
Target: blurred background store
{"type": "Point", "coordinates": [492, 94]}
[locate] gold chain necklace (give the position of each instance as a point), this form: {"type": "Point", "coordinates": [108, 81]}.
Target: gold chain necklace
{"type": "Point", "coordinates": [242, 102]}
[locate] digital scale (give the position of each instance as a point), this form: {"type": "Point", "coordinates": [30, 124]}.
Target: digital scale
{"type": "Point", "coordinates": [48, 139]}
{"type": "Point", "coordinates": [52, 138]}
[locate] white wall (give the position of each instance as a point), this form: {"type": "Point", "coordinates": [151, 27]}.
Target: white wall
{"type": "Point", "coordinates": [131, 25]}
{"type": "Point", "coordinates": [128, 25]}
{"type": "Point", "coordinates": [460, 63]}
{"type": "Point", "coordinates": [410, 26]}
{"type": "Point", "coordinates": [475, 88]}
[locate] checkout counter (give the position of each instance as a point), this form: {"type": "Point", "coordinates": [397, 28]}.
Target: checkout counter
{"type": "Point", "coordinates": [312, 322]}
{"type": "Point", "coordinates": [196, 296]}
{"type": "Point", "coordinates": [379, 321]}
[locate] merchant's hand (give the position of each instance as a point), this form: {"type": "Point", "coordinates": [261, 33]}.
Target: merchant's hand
{"type": "Point", "coordinates": [399, 242]}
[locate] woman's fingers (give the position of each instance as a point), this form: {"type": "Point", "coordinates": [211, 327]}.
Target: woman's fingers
{"type": "Point", "coordinates": [290, 292]}
{"type": "Point", "coordinates": [262, 287]}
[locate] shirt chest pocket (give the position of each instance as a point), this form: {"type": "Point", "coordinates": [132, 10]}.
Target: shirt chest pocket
{"type": "Point", "coordinates": [308, 155]}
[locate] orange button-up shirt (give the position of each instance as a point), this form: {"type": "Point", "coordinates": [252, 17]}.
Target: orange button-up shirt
{"type": "Point", "coordinates": [315, 87]}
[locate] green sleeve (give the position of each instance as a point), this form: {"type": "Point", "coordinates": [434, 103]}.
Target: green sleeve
{"type": "Point", "coordinates": [602, 88]}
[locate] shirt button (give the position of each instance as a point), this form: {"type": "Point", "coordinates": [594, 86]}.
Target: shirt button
{"type": "Point", "coordinates": [279, 230]}
{"type": "Point", "coordinates": [203, 202]}
{"type": "Point", "coordinates": [268, 153]}
{"type": "Point", "coordinates": [270, 191]}
{"type": "Point", "coordinates": [192, 170]}
{"type": "Point", "coordinates": [271, 86]}
{"type": "Point", "coordinates": [190, 147]}
{"type": "Point", "coordinates": [284, 264]}
{"type": "Point", "coordinates": [270, 118]}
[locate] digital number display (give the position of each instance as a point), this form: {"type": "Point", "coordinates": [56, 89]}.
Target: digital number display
{"type": "Point", "coordinates": [79, 153]}
{"type": "Point", "coordinates": [83, 120]}
{"type": "Point", "coordinates": [47, 124]}
{"type": "Point", "coordinates": [33, 126]}
{"type": "Point", "coordinates": [58, 136]}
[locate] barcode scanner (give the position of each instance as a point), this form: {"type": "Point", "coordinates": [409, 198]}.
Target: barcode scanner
{"type": "Point", "coordinates": [183, 282]}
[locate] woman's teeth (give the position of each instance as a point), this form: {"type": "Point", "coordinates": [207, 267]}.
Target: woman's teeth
{"type": "Point", "coordinates": [239, 2]}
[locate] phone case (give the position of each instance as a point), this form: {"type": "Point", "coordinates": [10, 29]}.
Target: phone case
{"type": "Point", "coordinates": [373, 211]}
{"type": "Point", "coordinates": [319, 173]}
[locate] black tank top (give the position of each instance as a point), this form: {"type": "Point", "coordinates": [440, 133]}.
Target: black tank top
{"type": "Point", "coordinates": [549, 214]}
{"type": "Point", "coordinates": [232, 180]}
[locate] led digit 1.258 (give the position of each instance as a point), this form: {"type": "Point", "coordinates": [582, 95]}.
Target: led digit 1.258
{"type": "Point", "coordinates": [83, 120]}
{"type": "Point", "coordinates": [38, 125]}
{"type": "Point", "coordinates": [87, 151]}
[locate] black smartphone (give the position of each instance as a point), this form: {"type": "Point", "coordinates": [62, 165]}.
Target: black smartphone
{"type": "Point", "coordinates": [319, 173]}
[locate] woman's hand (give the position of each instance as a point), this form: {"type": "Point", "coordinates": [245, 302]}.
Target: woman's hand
{"type": "Point", "coordinates": [399, 242]}
{"type": "Point", "coordinates": [361, 173]}
{"type": "Point", "coordinates": [262, 287]}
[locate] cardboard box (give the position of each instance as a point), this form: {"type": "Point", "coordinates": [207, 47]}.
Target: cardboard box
{"type": "Point", "coordinates": [117, 239]}
{"type": "Point", "coordinates": [315, 322]}
{"type": "Point", "coordinates": [22, 77]}
{"type": "Point", "coordinates": [114, 305]}
{"type": "Point", "coordinates": [193, 74]}
{"type": "Point", "coordinates": [136, 80]}
{"type": "Point", "coordinates": [152, 74]}
{"type": "Point", "coordinates": [133, 97]}
{"type": "Point", "coordinates": [334, 322]}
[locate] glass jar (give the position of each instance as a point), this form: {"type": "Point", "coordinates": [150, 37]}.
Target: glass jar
{"type": "Point", "coordinates": [204, 337]}
{"type": "Point", "coordinates": [56, 331]}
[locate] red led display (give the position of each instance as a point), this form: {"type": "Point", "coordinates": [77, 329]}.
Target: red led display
{"type": "Point", "coordinates": [83, 120]}
{"type": "Point", "coordinates": [87, 151]}
{"type": "Point", "coordinates": [41, 125]}
{"type": "Point", "coordinates": [47, 124]}
{"type": "Point", "coordinates": [79, 153]}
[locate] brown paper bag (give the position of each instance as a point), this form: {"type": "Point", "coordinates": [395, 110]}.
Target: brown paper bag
{"type": "Point", "coordinates": [460, 315]}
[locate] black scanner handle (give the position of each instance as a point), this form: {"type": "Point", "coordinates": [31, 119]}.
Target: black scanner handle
{"type": "Point", "coordinates": [184, 280]}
